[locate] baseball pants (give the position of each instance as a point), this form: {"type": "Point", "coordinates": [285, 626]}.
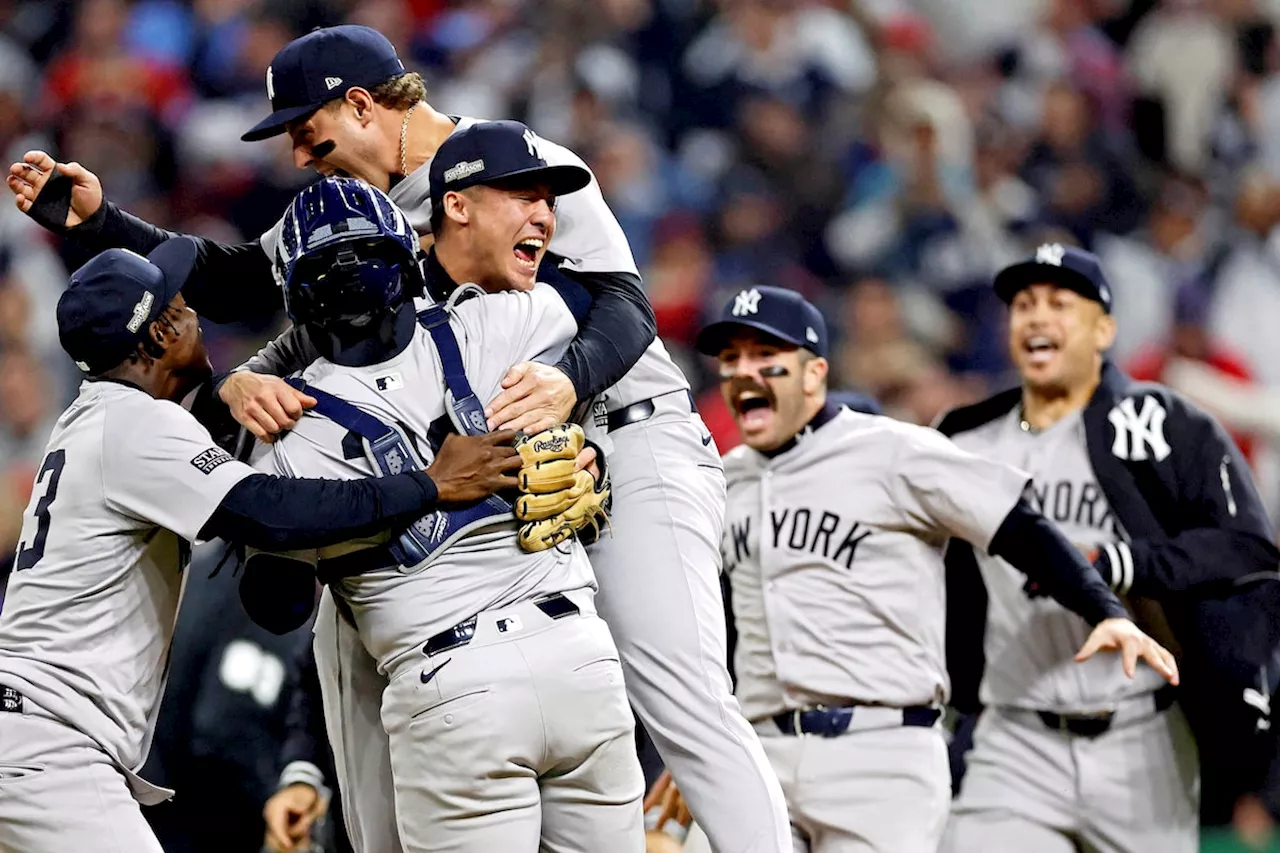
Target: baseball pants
{"type": "Point", "coordinates": [659, 575]}
{"type": "Point", "coordinates": [351, 690]}
{"type": "Point", "coordinates": [1133, 789]}
{"type": "Point", "coordinates": [519, 741]}
{"type": "Point", "coordinates": [59, 792]}
{"type": "Point", "coordinates": [876, 790]}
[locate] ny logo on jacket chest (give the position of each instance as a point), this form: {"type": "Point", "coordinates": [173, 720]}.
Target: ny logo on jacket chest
{"type": "Point", "coordinates": [1139, 430]}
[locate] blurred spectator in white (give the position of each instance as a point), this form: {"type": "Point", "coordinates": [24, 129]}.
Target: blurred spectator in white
{"type": "Point", "coordinates": [1246, 295]}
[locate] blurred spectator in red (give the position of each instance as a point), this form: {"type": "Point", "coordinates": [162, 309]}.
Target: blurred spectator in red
{"type": "Point", "coordinates": [98, 69]}
{"type": "Point", "coordinates": [1190, 341]}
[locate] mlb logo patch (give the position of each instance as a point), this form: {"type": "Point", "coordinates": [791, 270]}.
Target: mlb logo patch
{"type": "Point", "coordinates": [206, 461]}
{"type": "Point", "coordinates": [509, 625]}
{"type": "Point", "coordinates": [390, 382]}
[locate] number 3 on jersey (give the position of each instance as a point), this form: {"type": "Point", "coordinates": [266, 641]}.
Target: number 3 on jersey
{"type": "Point", "coordinates": [50, 473]}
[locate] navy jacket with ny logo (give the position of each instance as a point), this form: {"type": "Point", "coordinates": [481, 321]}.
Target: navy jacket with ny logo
{"type": "Point", "coordinates": [1200, 544]}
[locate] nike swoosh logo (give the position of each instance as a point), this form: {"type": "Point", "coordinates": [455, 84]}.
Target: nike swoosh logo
{"type": "Point", "coordinates": [427, 676]}
{"type": "Point", "coordinates": [706, 441]}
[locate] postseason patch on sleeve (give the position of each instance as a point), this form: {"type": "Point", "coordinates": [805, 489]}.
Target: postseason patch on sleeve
{"type": "Point", "coordinates": [209, 459]}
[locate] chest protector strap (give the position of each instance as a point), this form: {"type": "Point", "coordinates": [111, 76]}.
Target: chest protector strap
{"type": "Point", "coordinates": [391, 453]}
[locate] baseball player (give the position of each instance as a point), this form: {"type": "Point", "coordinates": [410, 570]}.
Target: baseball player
{"type": "Point", "coordinates": [129, 480]}
{"type": "Point", "coordinates": [1072, 756]}
{"type": "Point", "coordinates": [835, 526]}
{"type": "Point", "coordinates": [504, 702]}
{"type": "Point", "coordinates": [660, 595]}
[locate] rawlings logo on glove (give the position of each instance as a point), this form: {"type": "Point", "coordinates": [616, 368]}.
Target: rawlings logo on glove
{"type": "Point", "coordinates": [558, 502]}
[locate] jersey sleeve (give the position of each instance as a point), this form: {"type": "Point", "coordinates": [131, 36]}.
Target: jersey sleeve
{"type": "Point", "coordinates": [161, 466]}
{"type": "Point", "coordinates": [942, 488]}
{"type": "Point", "coordinates": [587, 235]}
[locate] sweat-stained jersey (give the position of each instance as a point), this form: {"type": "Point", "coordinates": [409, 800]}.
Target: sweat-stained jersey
{"type": "Point", "coordinates": [397, 609]}
{"type": "Point", "coordinates": [587, 236]}
{"type": "Point", "coordinates": [1030, 644]}
{"type": "Point", "coordinates": [126, 485]}
{"type": "Point", "coordinates": [834, 554]}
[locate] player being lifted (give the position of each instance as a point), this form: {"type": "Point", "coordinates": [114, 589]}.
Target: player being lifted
{"type": "Point", "coordinates": [1071, 757]}
{"type": "Point", "coordinates": [834, 533]}
{"type": "Point", "coordinates": [130, 479]}
{"type": "Point", "coordinates": [504, 702]}
{"type": "Point", "coordinates": [660, 570]}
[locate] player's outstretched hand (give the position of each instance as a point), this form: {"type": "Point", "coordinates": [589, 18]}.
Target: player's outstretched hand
{"type": "Point", "coordinates": [289, 815]}
{"type": "Point", "coordinates": [1127, 638]}
{"type": "Point", "coordinates": [534, 397]}
{"type": "Point", "coordinates": [471, 467]}
{"type": "Point", "coordinates": [29, 176]}
{"type": "Point", "coordinates": [665, 795]}
{"type": "Point", "coordinates": [264, 405]}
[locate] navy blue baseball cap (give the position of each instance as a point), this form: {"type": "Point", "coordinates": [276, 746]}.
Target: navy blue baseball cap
{"type": "Point", "coordinates": [776, 311]}
{"type": "Point", "coordinates": [110, 302]}
{"type": "Point", "coordinates": [492, 152]}
{"type": "Point", "coordinates": [1065, 266]}
{"type": "Point", "coordinates": [310, 71]}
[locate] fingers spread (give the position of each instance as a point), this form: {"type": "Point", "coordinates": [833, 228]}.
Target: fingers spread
{"type": "Point", "coordinates": [1129, 651]}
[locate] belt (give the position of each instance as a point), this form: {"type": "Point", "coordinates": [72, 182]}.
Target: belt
{"type": "Point", "coordinates": [642, 411]}
{"type": "Point", "coordinates": [555, 606]}
{"type": "Point", "coordinates": [1095, 725]}
{"type": "Point", "coordinates": [833, 722]}
{"type": "Point", "coordinates": [376, 558]}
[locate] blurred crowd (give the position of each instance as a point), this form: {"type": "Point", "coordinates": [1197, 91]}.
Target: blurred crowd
{"type": "Point", "coordinates": [884, 157]}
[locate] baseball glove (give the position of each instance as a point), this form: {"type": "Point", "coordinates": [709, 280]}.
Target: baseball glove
{"type": "Point", "coordinates": [557, 502]}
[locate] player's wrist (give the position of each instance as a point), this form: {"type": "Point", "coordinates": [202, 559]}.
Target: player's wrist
{"type": "Point", "coordinates": [303, 773]}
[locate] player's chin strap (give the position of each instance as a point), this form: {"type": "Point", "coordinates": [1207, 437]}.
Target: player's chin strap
{"type": "Point", "coordinates": [391, 453]}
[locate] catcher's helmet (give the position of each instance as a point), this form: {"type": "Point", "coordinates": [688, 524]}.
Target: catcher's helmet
{"type": "Point", "coordinates": [345, 254]}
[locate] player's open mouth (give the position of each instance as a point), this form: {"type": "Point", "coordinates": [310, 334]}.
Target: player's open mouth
{"type": "Point", "coordinates": [754, 408]}
{"type": "Point", "coordinates": [526, 252]}
{"type": "Point", "coordinates": [1039, 349]}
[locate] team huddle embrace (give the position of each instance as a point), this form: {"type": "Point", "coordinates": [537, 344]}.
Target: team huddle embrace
{"type": "Point", "coordinates": [472, 466]}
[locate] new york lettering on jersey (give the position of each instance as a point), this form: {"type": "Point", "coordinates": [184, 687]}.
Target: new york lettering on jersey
{"type": "Point", "coordinates": [852, 514]}
{"type": "Point", "coordinates": [1030, 644]}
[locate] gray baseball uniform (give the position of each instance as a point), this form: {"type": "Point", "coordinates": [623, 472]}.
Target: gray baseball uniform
{"type": "Point", "coordinates": [834, 553]}
{"type": "Point", "coordinates": [661, 565]}
{"type": "Point", "coordinates": [127, 482]}
{"type": "Point", "coordinates": [1133, 788]}
{"type": "Point", "coordinates": [493, 752]}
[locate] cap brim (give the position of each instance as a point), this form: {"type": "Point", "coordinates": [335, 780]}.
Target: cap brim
{"type": "Point", "coordinates": [561, 180]}
{"type": "Point", "coordinates": [175, 258]}
{"type": "Point", "coordinates": [273, 125]}
{"type": "Point", "coordinates": [711, 340]}
{"type": "Point", "coordinates": [1019, 277]}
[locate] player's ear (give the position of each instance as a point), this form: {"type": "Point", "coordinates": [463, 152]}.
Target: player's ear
{"type": "Point", "coordinates": [362, 104]}
{"type": "Point", "coordinates": [455, 207]}
{"type": "Point", "coordinates": [815, 375]}
{"type": "Point", "coordinates": [1104, 332]}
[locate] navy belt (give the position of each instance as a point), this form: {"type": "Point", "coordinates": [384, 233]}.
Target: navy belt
{"type": "Point", "coordinates": [1095, 725]}
{"type": "Point", "coordinates": [833, 722]}
{"type": "Point", "coordinates": [365, 560]}
{"type": "Point", "coordinates": [642, 411]}
{"type": "Point", "coordinates": [556, 606]}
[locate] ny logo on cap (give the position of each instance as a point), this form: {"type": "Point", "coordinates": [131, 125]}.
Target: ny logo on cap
{"type": "Point", "coordinates": [333, 82]}
{"type": "Point", "coordinates": [141, 311]}
{"type": "Point", "coordinates": [746, 302]}
{"type": "Point", "coordinates": [810, 335]}
{"type": "Point", "coordinates": [271, 86]}
{"type": "Point", "coordinates": [1050, 253]}
{"type": "Point", "coordinates": [531, 142]}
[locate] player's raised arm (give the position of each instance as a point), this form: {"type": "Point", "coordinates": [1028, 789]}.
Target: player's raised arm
{"type": "Point", "coordinates": [229, 281]}
{"type": "Point", "coordinates": [981, 502]}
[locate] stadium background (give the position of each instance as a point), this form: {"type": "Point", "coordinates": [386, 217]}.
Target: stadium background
{"type": "Point", "coordinates": [884, 157]}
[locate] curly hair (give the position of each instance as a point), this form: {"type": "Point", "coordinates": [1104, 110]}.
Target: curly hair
{"type": "Point", "coordinates": [401, 92]}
